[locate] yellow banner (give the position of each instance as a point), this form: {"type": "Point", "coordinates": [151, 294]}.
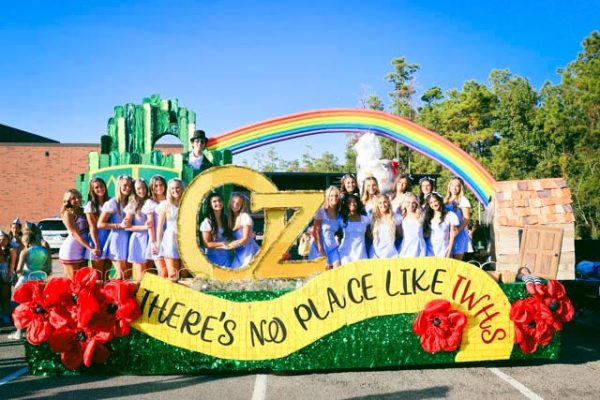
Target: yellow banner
{"type": "Point", "coordinates": [262, 330]}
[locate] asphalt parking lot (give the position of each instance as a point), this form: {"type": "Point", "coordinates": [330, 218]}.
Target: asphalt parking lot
{"type": "Point", "coordinates": [574, 375]}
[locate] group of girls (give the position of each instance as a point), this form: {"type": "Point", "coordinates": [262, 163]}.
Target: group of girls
{"type": "Point", "coordinates": [134, 231]}
{"type": "Point", "coordinates": [352, 225]}
{"type": "Point", "coordinates": [137, 229]}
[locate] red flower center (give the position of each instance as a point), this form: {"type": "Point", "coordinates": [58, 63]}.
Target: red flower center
{"type": "Point", "coordinates": [112, 308]}
{"type": "Point", "coordinates": [436, 322]}
{"type": "Point", "coordinates": [39, 309]}
{"type": "Point", "coordinates": [74, 297]}
{"type": "Point", "coordinates": [553, 306]}
{"type": "Point", "coordinates": [81, 336]}
{"type": "Point", "coordinates": [532, 324]}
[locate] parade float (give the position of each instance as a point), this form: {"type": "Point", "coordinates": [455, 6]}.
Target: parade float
{"type": "Point", "coordinates": [380, 313]}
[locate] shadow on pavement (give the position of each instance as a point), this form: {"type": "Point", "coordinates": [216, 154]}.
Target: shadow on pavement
{"type": "Point", "coordinates": [436, 392]}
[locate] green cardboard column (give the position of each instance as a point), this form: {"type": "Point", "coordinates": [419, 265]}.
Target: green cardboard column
{"type": "Point", "coordinates": [138, 130]}
{"type": "Point", "coordinates": [147, 128]}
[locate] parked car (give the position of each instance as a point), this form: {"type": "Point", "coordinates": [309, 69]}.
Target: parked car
{"type": "Point", "coordinates": [54, 232]}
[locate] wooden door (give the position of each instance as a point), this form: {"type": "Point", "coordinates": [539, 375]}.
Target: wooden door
{"type": "Point", "coordinates": [540, 250]}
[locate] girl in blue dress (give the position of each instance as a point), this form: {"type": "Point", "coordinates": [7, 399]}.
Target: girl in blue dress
{"type": "Point", "coordinates": [349, 185]}
{"type": "Point", "coordinates": [457, 202]}
{"type": "Point", "coordinates": [327, 221]}
{"type": "Point", "coordinates": [113, 217]}
{"type": "Point", "coordinates": [97, 196]}
{"type": "Point", "coordinates": [400, 189]}
{"type": "Point", "coordinates": [240, 223]}
{"type": "Point", "coordinates": [138, 241]}
{"type": "Point", "coordinates": [167, 236]}
{"type": "Point", "coordinates": [427, 186]}
{"type": "Point", "coordinates": [152, 206]}
{"type": "Point", "coordinates": [354, 225]}
{"type": "Point", "coordinates": [370, 191]}
{"type": "Point", "coordinates": [216, 232]}
{"type": "Point", "coordinates": [413, 242]}
{"type": "Point", "coordinates": [75, 249]}
{"type": "Point", "coordinates": [385, 226]}
{"type": "Point", "coordinates": [440, 227]}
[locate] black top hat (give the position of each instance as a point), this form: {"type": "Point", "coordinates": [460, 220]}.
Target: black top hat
{"type": "Point", "coordinates": [199, 134]}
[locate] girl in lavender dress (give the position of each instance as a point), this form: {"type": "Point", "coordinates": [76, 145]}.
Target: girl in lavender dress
{"type": "Point", "coordinates": [152, 207]}
{"type": "Point", "coordinates": [370, 191]}
{"type": "Point", "coordinates": [413, 242]}
{"type": "Point", "coordinates": [75, 249]}
{"type": "Point", "coordinates": [216, 232]}
{"type": "Point", "coordinates": [138, 241]}
{"type": "Point", "coordinates": [113, 217]}
{"type": "Point", "coordinates": [240, 223]}
{"type": "Point", "coordinates": [354, 225]}
{"type": "Point", "coordinates": [440, 227]}
{"type": "Point", "coordinates": [97, 196]}
{"type": "Point", "coordinates": [167, 237]}
{"type": "Point", "coordinates": [386, 227]}
{"type": "Point", "coordinates": [400, 190]}
{"type": "Point", "coordinates": [327, 221]}
{"type": "Point", "coordinates": [457, 202]}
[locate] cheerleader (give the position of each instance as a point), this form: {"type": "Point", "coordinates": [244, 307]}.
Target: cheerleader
{"type": "Point", "coordinates": [413, 242]}
{"type": "Point", "coordinates": [354, 225]}
{"type": "Point", "coordinates": [240, 223]}
{"type": "Point", "coordinates": [76, 248]}
{"type": "Point", "coordinates": [152, 206]}
{"type": "Point", "coordinates": [97, 196]}
{"type": "Point", "coordinates": [400, 189]}
{"type": "Point", "coordinates": [385, 226]}
{"type": "Point", "coordinates": [216, 232]}
{"type": "Point", "coordinates": [457, 202]}
{"type": "Point", "coordinates": [167, 236]}
{"type": "Point", "coordinates": [113, 217]}
{"type": "Point", "coordinates": [138, 241]}
{"type": "Point", "coordinates": [370, 191]}
{"type": "Point", "coordinates": [327, 222]}
{"type": "Point", "coordinates": [440, 227]}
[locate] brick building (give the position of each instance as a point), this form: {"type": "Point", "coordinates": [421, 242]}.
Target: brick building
{"type": "Point", "coordinates": [38, 170]}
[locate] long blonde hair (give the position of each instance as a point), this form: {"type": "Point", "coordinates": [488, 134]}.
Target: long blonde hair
{"type": "Point", "coordinates": [364, 195]}
{"type": "Point", "coordinates": [119, 196]}
{"type": "Point", "coordinates": [460, 195]}
{"type": "Point", "coordinates": [397, 183]}
{"type": "Point", "coordinates": [407, 197]}
{"type": "Point", "coordinates": [66, 206]}
{"type": "Point", "coordinates": [380, 218]}
{"type": "Point", "coordinates": [170, 199]}
{"type": "Point", "coordinates": [327, 193]}
{"type": "Point", "coordinates": [234, 220]}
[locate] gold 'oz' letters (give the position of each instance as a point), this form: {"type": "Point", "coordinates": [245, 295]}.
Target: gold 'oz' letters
{"type": "Point", "coordinates": [278, 235]}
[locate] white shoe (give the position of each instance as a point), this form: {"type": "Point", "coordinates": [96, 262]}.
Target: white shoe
{"type": "Point", "coordinates": [16, 335]}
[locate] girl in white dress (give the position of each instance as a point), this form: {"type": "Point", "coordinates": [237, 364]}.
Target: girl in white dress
{"type": "Point", "coordinates": [386, 227]}
{"type": "Point", "coordinates": [413, 242]}
{"type": "Point", "coordinates": [370, 191]}
{"type": "Point", "coordinates": [457, 202]}
{"type": "Point", "coordinates": [440, 227]}
{"type": "Point", "coordinates": [152, 206]}
{"type": "Point", "coordinates": [400, 189]}
{"type": "Point", "coordinates": [327, 221]}
{"type": "Point", "coordinates": [216, 232]}
{"type": "Point", "coordinates": [167, 236]}
{"type": "Point", "coordinates": [354, 225]}
{"type": "Point", "coordinates": [97, 196]}
{"type": "Point", "coordinates": [113, 217]}
{"type": "Point", "coordinates": [138, 241]}
{"type": "Point", "coordinates": [240, 223]}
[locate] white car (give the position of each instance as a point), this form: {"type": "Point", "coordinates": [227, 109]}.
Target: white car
{"type": "Point", "coordinates": [54, 232]}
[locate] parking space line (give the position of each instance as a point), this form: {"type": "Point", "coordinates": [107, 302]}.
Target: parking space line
{"type": "Point", "coordinates": [14, 375]}
{"type": "Point", "coordinates": [530, 394]}
{"type": "Point", "coordinates": [260, 387]}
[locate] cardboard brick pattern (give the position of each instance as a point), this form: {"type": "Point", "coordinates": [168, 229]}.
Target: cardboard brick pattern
{"type": "Point", "coordinates": [545, 202]}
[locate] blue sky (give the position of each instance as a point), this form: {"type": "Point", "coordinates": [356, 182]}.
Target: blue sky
{"type": "Point", "coordinates": [66, 64]}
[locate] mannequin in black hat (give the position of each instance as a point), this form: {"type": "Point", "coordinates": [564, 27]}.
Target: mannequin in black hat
{"type": "Point", "coordinates": [195, 158]}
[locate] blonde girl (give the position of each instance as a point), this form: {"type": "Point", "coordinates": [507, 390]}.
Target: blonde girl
{"type": "Point", "coordinates": [240, 223]}
{"type": "Point", "coordinates": [138, 241]}
{"type": "Point", "coordinates": [75, 249]}
{"type": "Point", "coordinates": [113, 217]}
{"type": "Point", "coordinates": [152, 206]}
{"type": "Point", "coordinates": [97, 196]}
{"type": "Point", "coordinates": [327, 221]}
{"type": "Point", "coordinates": [370, 191]}
{"type": "Point", "coordinates": [413, 242]}
{"type": "Point", "coordinates": [385, 226]}
{"type": "Point", "coordinates": [167, 237]}
{"type": "Point", "coordinates": [457, 202]}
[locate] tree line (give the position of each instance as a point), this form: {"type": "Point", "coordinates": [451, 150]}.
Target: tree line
{"type": "Point", "coordinates": [515, 130]}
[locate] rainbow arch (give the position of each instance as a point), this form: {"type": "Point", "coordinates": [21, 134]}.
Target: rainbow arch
{"type": "Point", "coordinates": [401, 130]}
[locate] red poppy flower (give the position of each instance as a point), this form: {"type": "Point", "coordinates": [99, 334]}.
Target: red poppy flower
{"type": "Point", "coordinates": [120, 306]}
{"type": "Point", "coordinates": [81, 345]}
{"type": "Point", "coordinates": [83, 289]}
{"type": "Point", "coordinates": [439, 326]}
{"type": "Point", "coordinates": [534, 323]}
{"type": "Point", "coordinates": [554, 296]}
{"type": "Point", "coordinates": [41, 308]}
